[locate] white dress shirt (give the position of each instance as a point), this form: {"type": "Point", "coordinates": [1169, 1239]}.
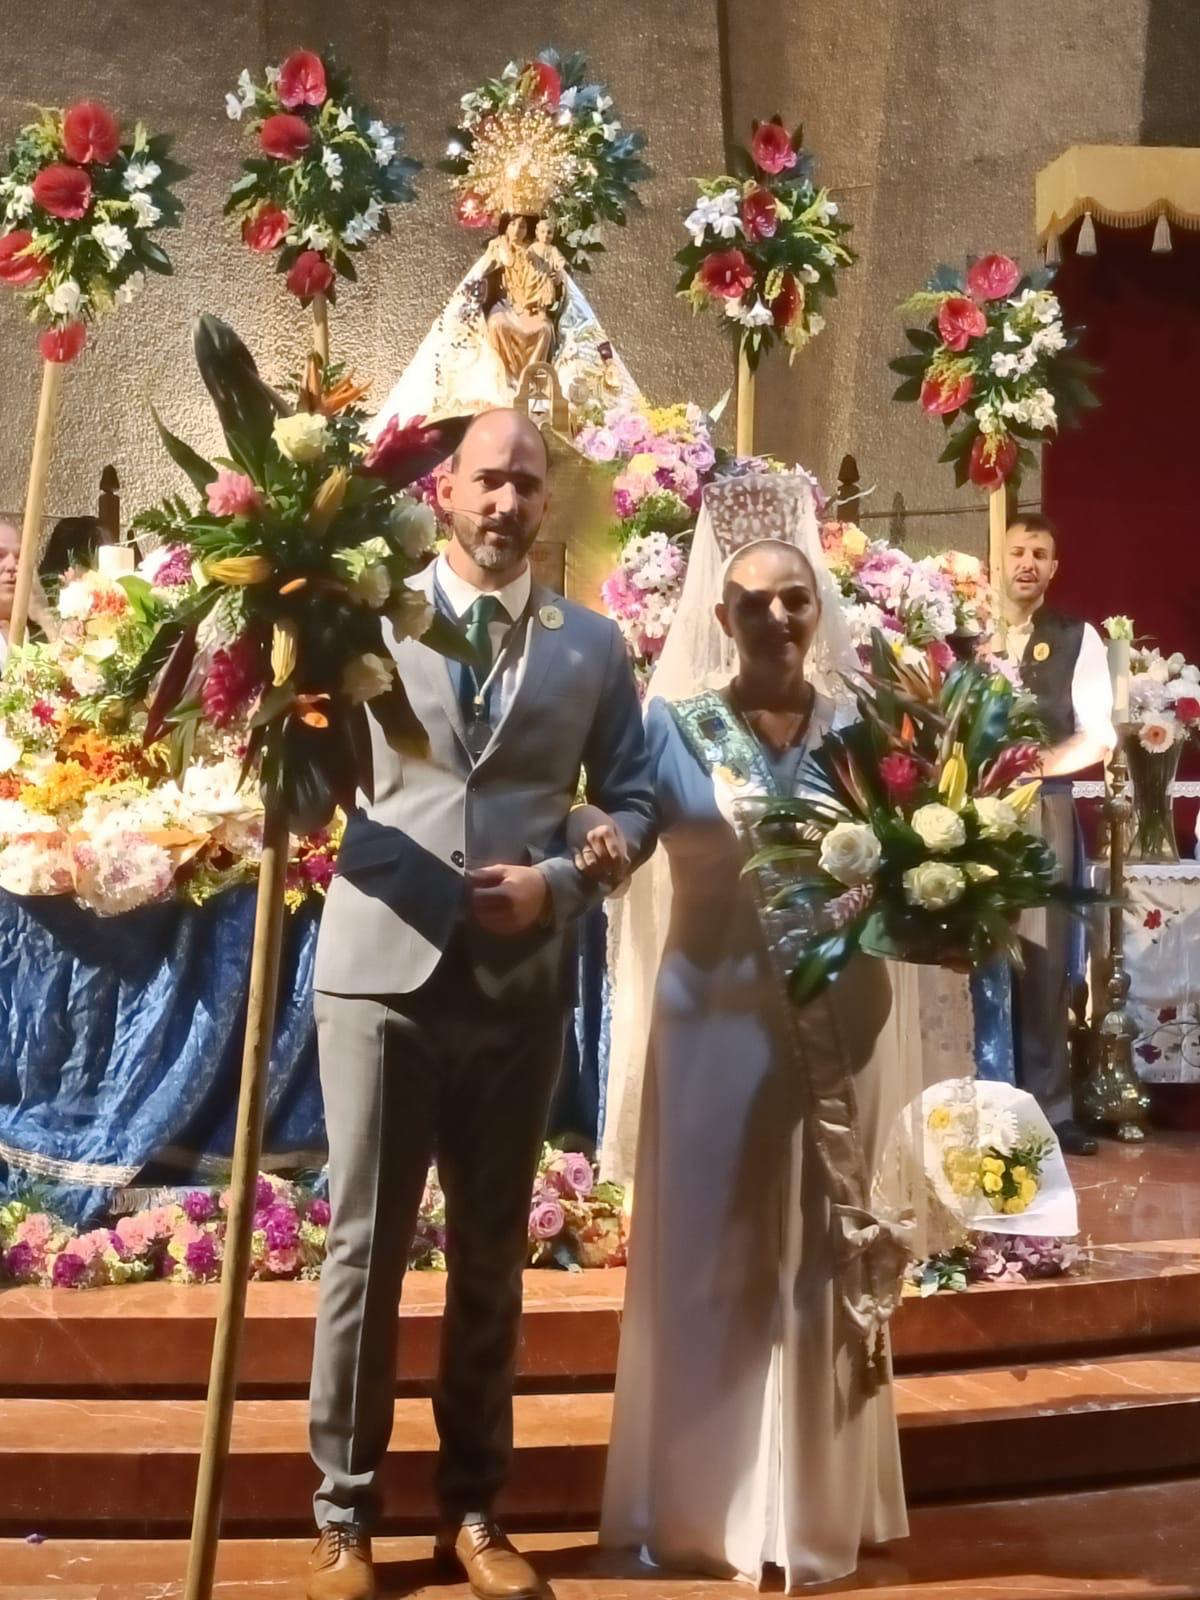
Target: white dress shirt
{"type": "Point", "coordinates": [514, 599]}
{"type": "Point", "coordinates": [1091, 686]}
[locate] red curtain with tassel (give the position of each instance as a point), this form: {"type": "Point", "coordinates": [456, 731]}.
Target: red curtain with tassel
{"type": "Point", "coordinates": [1124, 488]}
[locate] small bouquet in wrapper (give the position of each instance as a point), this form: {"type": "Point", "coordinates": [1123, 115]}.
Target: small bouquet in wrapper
{"type": "Point", "coordinates": [911, 841]}
{"type": "Point", "coordinates": [299, 554]}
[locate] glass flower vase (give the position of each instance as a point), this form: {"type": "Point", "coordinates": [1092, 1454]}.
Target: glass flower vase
{"type": "Point", "coordinates": [1153, 825]}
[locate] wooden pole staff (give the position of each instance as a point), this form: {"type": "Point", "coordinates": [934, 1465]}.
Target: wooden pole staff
{"type": "Point", "coordinates": [745, 404]}
{"type": "Point", "coordinates": [320, 319]}
{"type": "Point", "coordinates": [35, 498]}
{"type": "Point", "coordinates": [247, 1149]}
{"type": "Point", "coordinates": [997, 528]}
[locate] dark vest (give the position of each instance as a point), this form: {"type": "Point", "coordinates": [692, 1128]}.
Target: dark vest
{"type": "Point", "coordinates": [1048, 667]}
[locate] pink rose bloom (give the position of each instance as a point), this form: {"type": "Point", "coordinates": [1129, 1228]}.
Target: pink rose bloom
{"type": "Point", "coordinates": [232, 494]}
{"type": "Point", "coordinates": [91, 1245]}
{"type": "Point", "coordinates": [630, 433]}
{"type": "Point", "coordinates": [577, 1174]}
{"type": "Point", "coordinates": [283, 1263]}
{"type": "Point", "coordinates": [599, 444]}
{"type": "Point", "coordinates": [547, 1220]}
{"type": "Point", "coordinates": [700, 455]}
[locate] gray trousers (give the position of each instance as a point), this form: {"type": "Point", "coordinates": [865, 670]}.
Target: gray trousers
{"type": "Point", "coordinates": [1041, 994]}
{"type": "Point", "coordinates": [443, 1072]}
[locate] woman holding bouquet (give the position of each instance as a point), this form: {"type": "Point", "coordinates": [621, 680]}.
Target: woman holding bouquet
{"type": "Point", "coordinates": [754, 1423]}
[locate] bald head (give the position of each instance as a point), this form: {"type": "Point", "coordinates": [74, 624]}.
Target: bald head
{"type": "Point", "coordinates": [495, 494]}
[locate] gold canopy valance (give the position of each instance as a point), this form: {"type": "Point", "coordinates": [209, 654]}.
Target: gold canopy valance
{"type": "Point", "coordinates": [1122, 185]}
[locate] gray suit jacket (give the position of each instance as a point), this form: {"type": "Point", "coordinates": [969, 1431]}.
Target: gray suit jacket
{"type": "Point", "coordinates": [398, 894]}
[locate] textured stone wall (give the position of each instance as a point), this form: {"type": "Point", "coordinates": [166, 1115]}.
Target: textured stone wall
{"type": "Point", "coordinates": [930, 119]}
{"type": "Point", "coordinates": [171, 64]}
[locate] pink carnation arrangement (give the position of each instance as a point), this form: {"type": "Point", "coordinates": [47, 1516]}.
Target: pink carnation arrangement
{"type": "Point", "coordinates": [573, 1221]}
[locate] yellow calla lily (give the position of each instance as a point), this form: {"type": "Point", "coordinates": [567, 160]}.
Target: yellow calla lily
{"type": "Point", "coordinates": [327, 501]}
{"type": "Point", "coordinates": [952, 785]}
{"type": "Point", "coordinates": [283, 651]}
{"type": "Point", "coordinates": [239, 571]}
{"type": "Point", "coordinates": [1022, 798]}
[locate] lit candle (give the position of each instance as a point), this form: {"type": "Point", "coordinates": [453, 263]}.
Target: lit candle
{"type": "Point", "coordinates": [1118, 671]}
{"type": "Point", "coordinates": [115, 560]}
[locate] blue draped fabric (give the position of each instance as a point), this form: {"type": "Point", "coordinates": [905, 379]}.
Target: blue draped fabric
{"type": "Point", "coordinates": [991, 1007]}
{"type": "Point", "coordinates": [121, 1041]}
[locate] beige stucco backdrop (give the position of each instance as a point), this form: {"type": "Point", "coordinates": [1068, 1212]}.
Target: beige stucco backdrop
{"type": "Point", "coordinates": [929, 118]}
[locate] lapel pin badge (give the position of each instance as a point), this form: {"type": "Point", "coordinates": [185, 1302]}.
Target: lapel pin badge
{"type": "Point", "coordinates": [550, 617]}
{"type": "Point", "coordinates": [1041, 652]}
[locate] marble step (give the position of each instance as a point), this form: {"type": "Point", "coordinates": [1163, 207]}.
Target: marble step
{"type": "Point", "coordinates": [79, 1465]}
{"type": "Point", "coordinates": [156, 1338]}
{"type": "Point", "coordinates": [1052, 1547]}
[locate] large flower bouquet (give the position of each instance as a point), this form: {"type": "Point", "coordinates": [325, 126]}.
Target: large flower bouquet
{"type": "Point", "coordinates": [994, 364]}
{"type": "Point", "coordinates": [80, 209]}
{"type": "Point", "coordinates": [766, 245]}
{"type": "Point", "coordinates": [542, 138]}
{"type": "Point", "coordinates": [299, 553]}
{"type": "Point", "coordinates": [574, 1222]}
{"type": "Point", "coordinates": [912, 841]}
{"type": "Point", "coordinates": [85, 808]}
{"type": "Point", "coordinates": [318, 187]}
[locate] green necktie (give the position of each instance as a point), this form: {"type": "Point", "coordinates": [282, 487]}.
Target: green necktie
{"type": "Point", "coordinates": [480, 617]}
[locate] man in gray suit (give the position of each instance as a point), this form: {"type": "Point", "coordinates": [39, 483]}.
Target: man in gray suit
{"type": "Point", "coordinates": [441, 999]}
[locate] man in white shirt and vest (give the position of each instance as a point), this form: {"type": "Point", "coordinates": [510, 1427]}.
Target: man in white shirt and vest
{"type": "Point", "coordinates": [1064, 664]}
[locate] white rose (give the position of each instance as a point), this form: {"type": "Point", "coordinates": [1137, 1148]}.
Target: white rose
{"type": "Point", "coordinates": [372, 586]}
{"type": "Point", "coordinates": [933, 885]}
{"type": "Point", "coordinates": [410, 614]}
{"type": "Point", "coordinates": [850, 852]}
{"type": "Point", "coordinates": [301, 438]}
{"type": "Point", "coordinates": [940, 828]}
{"type": "Point", "coordinates": [413, 526]}
{"type": "Point", "coordinates": [366, 676]}
{"type": "Point", "coordinates": [66, 300]}
{"type": "Point", "coordinates": [997, 819]}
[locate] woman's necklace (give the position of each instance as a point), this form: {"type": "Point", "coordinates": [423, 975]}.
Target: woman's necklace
{"type": "Point", "coordinates": [780, 730]}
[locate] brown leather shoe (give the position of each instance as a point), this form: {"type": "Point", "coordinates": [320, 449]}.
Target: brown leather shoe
{"type": "Point", "coordinates": [340, 1565]}
{"type": "Point", "coordinates": [492, 1567]}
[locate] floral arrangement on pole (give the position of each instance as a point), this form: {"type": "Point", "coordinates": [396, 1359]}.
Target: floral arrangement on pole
{"type": "Point", "coordinates": [766, 245]}
{"type": "Point", "coordinates": [994, 364]}
{"type": "Point", "coordinates": [300, 553]}
{"type": "Point", "coordinates": [913, 845]}
{"type": "Point", "coordinates": [80, 209]}
{"type": "Point", "coordinates": [541, 138]}
{"type": "Point", "coordinates": [324, 173]}
{"type": "Point", "coordinates": [85, 809]}
{"type": "Point", "coordinates": [1164, 692]}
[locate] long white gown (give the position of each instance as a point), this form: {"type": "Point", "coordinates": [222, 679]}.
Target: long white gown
{"type": "Point", "coordinates": [743, 1435]}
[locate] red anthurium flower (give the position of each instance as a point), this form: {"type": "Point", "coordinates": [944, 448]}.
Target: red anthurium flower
{"type": "Point", "coordinates": [941, 398]}
{"type": "Point", "coordinates": [472, 212]}
{"type": "Point", "coordinates": [1187, 709]}
{"type": "Point", "coordinates": [310, 274]}
{"type": "Point", "coordinates": [992, 460]}
{"type": "Point", "coordinates": [17, 269]}
{"type": "Point", "coordinates": [760, 217]}
{"type": "Point", "coordinates": [63, 191]}
{"type": "Point", "coordinates": [993, 277]}
{"type": "Point", "coordinates": [63, 344]}
{"type": "Point", "coordinates": [788, 303]}
{"type": "Point", "coordinates": [285, 137]}
{"type": "Point", "coordinates": [547, 85]}
{"type": "Point", "coordinates": [959, 321]}
{"type": "Point", "coordinates": [302, 80]}
{"type": "Point", "coordinates": [726, 274]}
{"type": "Point", "coordinates": [266, 228]}
{"type": "Point", "coordinates": [771, 147]}
{"type": "Point", "coordinates": [91, 133]}
{"type": "Point", "coordinates": [901, 774]}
